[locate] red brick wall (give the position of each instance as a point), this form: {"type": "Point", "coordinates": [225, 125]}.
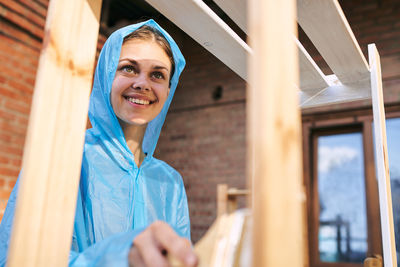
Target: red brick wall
{"type": "Point", "coordinates": [21, 32]}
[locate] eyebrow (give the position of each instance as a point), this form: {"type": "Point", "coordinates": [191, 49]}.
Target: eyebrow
{"type": "Point", "coordinates": [134, 62]}
{"type": "Point", "coordinates": [130, 60]}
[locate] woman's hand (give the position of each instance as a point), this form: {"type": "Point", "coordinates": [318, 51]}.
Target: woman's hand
{"type": "Point", "coordinates": [152, 245]}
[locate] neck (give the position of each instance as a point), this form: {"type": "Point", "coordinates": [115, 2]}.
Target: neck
{"type": "Point", "coordinates": [134, 135]}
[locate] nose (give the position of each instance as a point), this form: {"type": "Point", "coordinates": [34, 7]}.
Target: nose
{"type": "Point", "coordinates": [141, 82]}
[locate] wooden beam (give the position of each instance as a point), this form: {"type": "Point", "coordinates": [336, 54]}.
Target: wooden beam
{"type": "Point", "coordinates": [382, 160]}
{"type": "Point", "coordinates": [335, 93]}
{"type": "Point", "coordinates": [236, 10]}
{"type": "Point", "coordinates": [204, 26]}
{"type": "Point", "coordinates": [222, 199]}
{"type": "Point", "coordinates": [311, 76]}
{"type": "Point", "coordinates": [43, 224]}
{"type": "Point", "coordinates": [274, 135]}
{"type": "Point", "coordinates": [328, 29]}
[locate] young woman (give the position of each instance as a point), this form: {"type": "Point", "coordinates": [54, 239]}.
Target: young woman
{"type": "Point", "coordinates": [129, 202]}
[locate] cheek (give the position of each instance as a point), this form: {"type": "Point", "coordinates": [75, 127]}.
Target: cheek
{"type": "Point", "coordinates": [113, 95]}
{"type": "Point", "coordinates": [162, 93]}
{"type": "Point", "coordinates": [117, 87]}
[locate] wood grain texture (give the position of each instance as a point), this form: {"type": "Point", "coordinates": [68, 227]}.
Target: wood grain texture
{"type": "Point", "coordinates": [51, 165]}
{"type": "Point", "coordinates": [382, 160]}
{"type": "Point", "coordinates": [204, 26]}
{"type": "Point", "coordinates": [328, 29]}
{"type": "Point", "coordinates": [274, 135]}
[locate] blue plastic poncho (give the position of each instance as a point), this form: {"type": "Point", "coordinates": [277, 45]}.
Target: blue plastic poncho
{"type": "Point", "coordinates": [117, 199]}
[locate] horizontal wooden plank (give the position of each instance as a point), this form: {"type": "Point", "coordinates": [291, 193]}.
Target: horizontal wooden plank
{"type": "Point", "coordinates": [311, 77]}
{"type": "Point", "coordinates": [236, 10]}
{"type": "Point", "coordinates": [328, 29]}
{"type": "Point", "coordinates": [203, 25]}
{"type": "Point", "coordinates": [335, 93]}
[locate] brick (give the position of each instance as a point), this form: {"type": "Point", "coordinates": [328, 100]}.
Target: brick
{"type": "Point", "coordinates": [6, 149]}
{"type": "Point", "coordinates": [13, 128]}
{"type": "Point", "coordinates": [35, 7]}
{"type": "Point", "coordinates": [23, 87]}
{"type": "Point", "coordinates": [6, 114]}
{"type": "Point", "coordinates": [23, 11]}
{"type": "Point", "coordinates": [10, 30]}
{"type": "Point", "coordinates": [4, 160]}
{"type": "Point", "coordinates": [16, 162]}
{"type": "Point", "coordinates": [11, 73]}
{"type": "Point", "coordinates": [30, 81]}
{"type": "Point", "coordinates": [21, 21]}
{"type": "Point", "coordinates": [8, 171]}
{"type": "Point", "coordinates": [11, 183]}
{"type": "Point", "coordinates": [5, 92]}
{"type": "Point", "coordinates": [5, 137]}
{"type": "Point", "coordinates": [17, 106]}
{"type": "Point", "coordinates": [5, 193]}
{"type": "Point", "coordinates": [44, 3]}
{"type": "Point", "coordinates": [19, 141]}
{"type": "Point", "coordinates": [23, 120]}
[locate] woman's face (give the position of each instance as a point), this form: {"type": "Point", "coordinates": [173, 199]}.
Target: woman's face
{"type": "Point", "coordinates": [141, 83]}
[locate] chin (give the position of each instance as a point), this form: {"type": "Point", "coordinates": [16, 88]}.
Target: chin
{"type": "Point", "coordinates": [138, 121]}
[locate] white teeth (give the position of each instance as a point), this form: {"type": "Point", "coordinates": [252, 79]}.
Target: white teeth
{"type": "Point", "coordinates": [138, 101]}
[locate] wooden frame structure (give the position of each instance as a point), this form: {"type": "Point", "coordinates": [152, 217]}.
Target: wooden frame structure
{"type": "Point", "coordinates": [275, 58]}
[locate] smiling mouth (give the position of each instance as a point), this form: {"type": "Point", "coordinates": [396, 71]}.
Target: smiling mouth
{"type": "Point", "coordinates": [139, 101]}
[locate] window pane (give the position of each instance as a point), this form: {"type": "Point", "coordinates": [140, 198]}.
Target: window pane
{"type": "Point", "coordinates": [393, 140]}
{"type": "Point", "coordinates": [341, 185]}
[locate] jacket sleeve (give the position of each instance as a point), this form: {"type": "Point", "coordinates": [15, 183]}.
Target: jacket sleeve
{"type": "Point", "coordinates": [183, 220]}
{"type": "Point", "coordinates": [112, 251]}
{"type": "Point", "coordinates": [6, 224]}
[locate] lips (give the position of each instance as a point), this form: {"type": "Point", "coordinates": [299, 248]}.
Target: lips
{"type": "Point", "coordinates": [139, 99]}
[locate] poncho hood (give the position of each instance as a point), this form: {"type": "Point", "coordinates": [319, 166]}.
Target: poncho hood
{"type": "Point", "coordinates": [101, 114]}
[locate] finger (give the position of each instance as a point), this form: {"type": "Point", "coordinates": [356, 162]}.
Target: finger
{"type": "Point", "coordinates": [134, 258]}
{"type": "Point", "coordinates": [174, 244]}
{"type": "Point", "coordinates": [150, 250]}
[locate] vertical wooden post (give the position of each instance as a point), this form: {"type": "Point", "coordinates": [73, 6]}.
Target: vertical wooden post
{"type": "Point", "coordinates": [274, 135]}
{"type": "Point", "coordinates": [382, 159]}
{"type": "Point", "coordinates": [43, 223]}
{"type": "Point", "coordinates": [222, 199]}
